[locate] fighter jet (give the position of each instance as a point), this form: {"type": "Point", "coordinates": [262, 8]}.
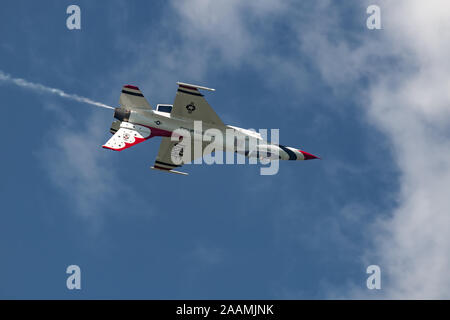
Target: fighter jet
{"type": "Point", "coordinates": [137, 121]}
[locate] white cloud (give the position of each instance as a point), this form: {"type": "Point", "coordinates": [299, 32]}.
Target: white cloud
{"type": "Point", "coordinates": [81, 170]}
{"type": "Point", "coordinates": [75, 164]}
{"type": "Point", "coordinates": [72, 155]}
{"type": "Point", "coordinates": [412, 108]}
{"type": "Point", "coordinates": [207, 255]}
{"type": "Point", "coordinates": [408, 99]}
{"type": "Point", "coordinates": [203, 36]}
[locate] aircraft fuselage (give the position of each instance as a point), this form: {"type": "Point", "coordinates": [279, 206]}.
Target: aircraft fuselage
{"type": "Point", "coordinates": [163, 124]}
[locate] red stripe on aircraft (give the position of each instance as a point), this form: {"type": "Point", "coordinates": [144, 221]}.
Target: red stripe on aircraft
{"type": "Point", "coordinates": [129, 86]}
{"type": "Point", "coordinates": [308, 156]}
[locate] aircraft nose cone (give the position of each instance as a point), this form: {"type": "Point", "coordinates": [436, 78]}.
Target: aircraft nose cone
{"type": "Point", "coordinates": [308, 156]}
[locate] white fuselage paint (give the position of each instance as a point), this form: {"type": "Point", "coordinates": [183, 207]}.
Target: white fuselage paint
{"type": "Point", "coordinates": [164, 121]}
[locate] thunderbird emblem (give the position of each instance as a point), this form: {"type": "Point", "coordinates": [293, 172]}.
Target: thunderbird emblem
{"type": "Point", "coordinates": [190, 107]}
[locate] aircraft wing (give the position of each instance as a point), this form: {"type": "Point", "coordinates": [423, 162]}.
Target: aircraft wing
{"type": "Point", "coordinates": [189, 103]}
{"type": "Point", "coordinates": [169, 150]}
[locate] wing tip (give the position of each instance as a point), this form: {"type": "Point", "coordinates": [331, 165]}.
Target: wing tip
{"type": "Point", "coordinates": [129, 86]}
{"type": "Point", "coordinates": [193, 86]}
{"type": "Point", "coordinates": [106, 147]}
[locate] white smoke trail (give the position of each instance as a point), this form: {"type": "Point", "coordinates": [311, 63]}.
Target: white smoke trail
{"type": "Point", "coordinates": [41, 88]}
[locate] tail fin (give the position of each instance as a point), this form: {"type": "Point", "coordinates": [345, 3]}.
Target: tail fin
{"type": "Point", "coordinates": [132, 98]}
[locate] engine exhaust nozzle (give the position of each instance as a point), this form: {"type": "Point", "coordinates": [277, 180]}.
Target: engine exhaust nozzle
{"type": "Point", "coordinates": [122, 114]}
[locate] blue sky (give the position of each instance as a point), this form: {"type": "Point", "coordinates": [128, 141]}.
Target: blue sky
{"type": "Point", "coordinates": [311, 69]}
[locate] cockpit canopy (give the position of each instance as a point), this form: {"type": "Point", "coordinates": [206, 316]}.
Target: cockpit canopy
{"type": "Point", "coordinates": [164, 108]}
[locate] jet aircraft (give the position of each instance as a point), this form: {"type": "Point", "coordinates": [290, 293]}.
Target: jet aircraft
{"type": "Point", "coordinates": [137, 121]}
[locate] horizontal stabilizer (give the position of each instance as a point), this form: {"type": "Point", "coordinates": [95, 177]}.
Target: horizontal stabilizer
{"type": "Point", "coordinates": [127, 136]}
